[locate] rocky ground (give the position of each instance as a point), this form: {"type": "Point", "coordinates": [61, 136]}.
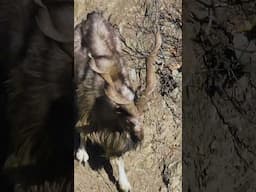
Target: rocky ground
{"type": "Point", "coordinates": [219, 96]}
{"type": "Point", "coordinates": [156, 165]}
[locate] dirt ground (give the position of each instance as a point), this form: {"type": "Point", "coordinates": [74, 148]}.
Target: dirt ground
{"type": "Point", "coordinates": [156, 165]}
{"type": "Point", "coordinates": [219, 108]}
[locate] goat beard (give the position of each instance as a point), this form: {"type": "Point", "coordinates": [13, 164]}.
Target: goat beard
{"type": "Point", "coordinates": [113, 143]}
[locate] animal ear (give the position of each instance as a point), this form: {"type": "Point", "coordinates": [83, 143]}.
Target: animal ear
{"type": "Point", "coordinates": [55, 21]}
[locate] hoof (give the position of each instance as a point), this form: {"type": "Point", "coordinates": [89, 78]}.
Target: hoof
{"type": "Point", "coordinates": [82, 156]}
{"type": "Point", "coordinates": [125, 186]}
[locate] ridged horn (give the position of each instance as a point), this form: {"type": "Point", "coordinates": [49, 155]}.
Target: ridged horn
{"type": "Point", "coordinates": [150, 74]}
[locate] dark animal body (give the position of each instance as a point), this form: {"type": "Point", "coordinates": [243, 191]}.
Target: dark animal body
{"type": "Point", "coordinates": [37, 94]}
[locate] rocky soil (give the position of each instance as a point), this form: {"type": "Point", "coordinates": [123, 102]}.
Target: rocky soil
{"type": "Point", "coordinates": [219, 96]}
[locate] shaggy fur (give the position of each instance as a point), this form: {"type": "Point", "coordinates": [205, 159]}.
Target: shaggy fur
{"type": "Point", "coordinates": [106, 123]}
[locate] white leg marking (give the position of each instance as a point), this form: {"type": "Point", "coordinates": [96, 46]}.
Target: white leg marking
{"type": "Point", "coordinates": [123, 180]}
{"type": "Point", "coordinates": [81, 154]}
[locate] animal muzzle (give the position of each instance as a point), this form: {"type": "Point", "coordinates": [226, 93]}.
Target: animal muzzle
{"type": "Point", "coordinates": [137, 132]}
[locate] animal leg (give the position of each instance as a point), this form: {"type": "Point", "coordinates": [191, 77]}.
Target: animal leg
{"type": "Point", "coordinates": [81, 154]}
{"type": "Point", "coordinates": [122, 180]}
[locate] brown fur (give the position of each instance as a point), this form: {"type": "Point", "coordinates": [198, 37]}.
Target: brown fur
{"type": "Point", "coordinates": [107, 123]}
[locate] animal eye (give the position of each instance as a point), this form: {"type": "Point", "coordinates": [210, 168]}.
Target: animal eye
{"type": "Point", "coordinates": [118, 109]}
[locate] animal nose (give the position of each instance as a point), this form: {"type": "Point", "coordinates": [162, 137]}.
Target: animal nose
{"type": "Point", "coordinates": [137, 130]}
{"type": "Point", "coordinates": [139, 135]}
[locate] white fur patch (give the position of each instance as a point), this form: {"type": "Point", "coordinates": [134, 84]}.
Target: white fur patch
{"type": "Point", "coordinates": [100, 38]}
{"type": "Point", "coordinates": [137, 123]}
{"type": "Point", "coordinates": [123, 180]}
{"type": "Point", "coordinates": [82, 155]}
{"type": "Point", "coordinates": [127, 93]}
